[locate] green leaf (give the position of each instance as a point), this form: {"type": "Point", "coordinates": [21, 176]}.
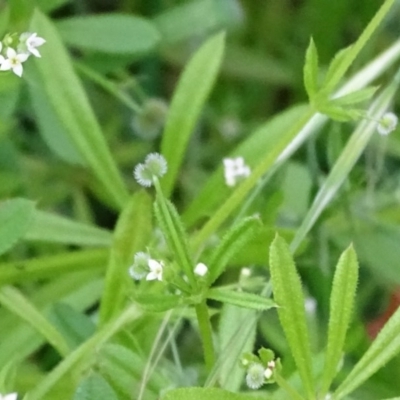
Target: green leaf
{"type": "Point", "coordinates": [124, 369]}
{"type": "Point", "coordinates": [69, 101]}
{"type": "Point", "coordinates": [53, 228]}
{"type": "Point", "coordinates": [196, 19]}
{"type": "Point", "coordinates": [340, 114]}
{"type": "Point", "coordinates": [289, 297]}
{"type": "Point", "coordinates": [237, 334]}
{"type": "Point", "coordinates": [174, 232]}
{"type": "Point", "coordinates": [385, 347]}
{"type": "Point", "coordinates": [15, 218]}
{"type": "Point", "coordinates": [341, 306]}
{"type": "Point", "coordinates": [110, 33]}
{"type": "Point", "coordinates": [346, 57]}
{"type": "Point", "coordinates": [355, 97]}
{"type": "Point", "coordinates": [233, 241]}
{"type": "Point", "coordinates": [190, 95]}
{"type": "Point", "coordinates": [53, 265]}
{"type": "Point", "coordinates": [15, 302]}
{"type": "Point", "coordinates": [241, 299]}
{"type": "Point", "coordinates": [209, 394]}
{"type": "Point", "coordinates": [74, 325]}
{"type": "Point", "coordinates": [79, 358]}
{"type": "Point", "coordinates": [51, 129]}
{"type": "Point", "coordinates": [157, 302]}
{"type": "Point", "coordinates": [95, 387]}
{"type": "Point", "coordinates": [131, 234]}
{"type": "Point", "coordinates": [311, 70]}
{"type": "Point", "coordinates": [333, 69]}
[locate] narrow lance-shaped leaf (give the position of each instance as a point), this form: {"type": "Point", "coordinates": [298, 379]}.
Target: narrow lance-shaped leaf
{"type": "Point", "coordinates": [54, 228]}
{"type": "Point", "coordinates": [15, 218]}
{"type": "Point", "coordinates": [385, 347]}
{"type": "Point", "coordinates": [132, 231]}
{"type": "Point", "coordinates": [174, 232]}
{"type": "Point", "coordinates": [341, 306]}
{"type": "Point", "coordinates": [241, 299]}
{"type": "Point", "coordinates": [15, 302]}
{"type": "Point", "coordinates": [95, 387]}
{"type": "Point", "coordinates": [289, 297]}
{"type": "Point", "coordinates": [190, 95]}
{"type": "Point", "coordinates": [233, 241]}
{"type": "Point", "coordinates": [311, 70]}
{"type": "Point", "coordinates": [79, 358]}
{"type": "Point", "coordinates": [207, 393]}
{"type": "Point", "coordinates": [69, 102]}
{"type": "Point", "coordinates": [348, 55]}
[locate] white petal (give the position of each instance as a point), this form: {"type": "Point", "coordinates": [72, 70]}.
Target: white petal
{"type": "Point", "coordinates": [1, 58]}
{"type": "Point", "coordinates": [35, 52]}
{"type": "Point", "coordinates": [5, 66]}
{"type": "Point", "coordinates": [37, 41]}
{"type": "Point", "coordinates": [11, 53]}
{"type": "Point", "coordinates": [22, 57]}
{"type": "Point", "coordinates": [11, 396]}
{"type": "Point", "coordinates": [18, 70]}
{"type": "Point", "coordinates": [151, 276]}
{"type": "Point", "coordinates": [154, 265]}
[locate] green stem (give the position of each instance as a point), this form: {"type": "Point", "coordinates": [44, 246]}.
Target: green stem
{"type": "Point", "coordinates": [178, 244]}
{"type": "Point", "coordinates": [108, 86]}
{"type": "Point", "coordinates": [206, 334]}
{"type": "Point", "coordinates": [283, 384]}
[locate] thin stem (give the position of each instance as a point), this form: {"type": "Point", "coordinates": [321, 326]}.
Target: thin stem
{"type": "Point", "coordinates": [283, 384]}
{"type": "Point", "coordinates": [206, 334]}
{"type": "Point", "coordinates": [108, 86]}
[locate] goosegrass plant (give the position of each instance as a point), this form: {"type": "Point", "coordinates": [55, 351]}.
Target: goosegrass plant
{"type": "Point", "coordinates": [113, 313]}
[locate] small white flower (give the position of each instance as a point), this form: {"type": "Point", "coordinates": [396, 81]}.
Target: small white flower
{"type": "Point", "coordinates": [245, 272]}
{"type": "Point", "coordinates": [268, 373]}
{"type": "Point", "coordinates": [200, 269]}
{"type": "Point", "coordinates": [156, 270]}
{"type": "Point", "coordinates": [271, 364]}
{"type": "Point", "coordinates": [255, 376]}
{"type": "Point", "coordinates": [234, 170]}
{"type": "Point", "coordinates": [29, 42]}
{"type": "Point", "coordinates": [387, 123]}
{"type": "Point", "coordinates": [13, 61]}
{"type": "Point", "coordinates": [310, 305]}
{"type": "Point", "coordinates": [10, 396]}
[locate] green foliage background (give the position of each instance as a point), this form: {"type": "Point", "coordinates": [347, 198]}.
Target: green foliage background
{"type": "Point", "coordinates": [72, 216]}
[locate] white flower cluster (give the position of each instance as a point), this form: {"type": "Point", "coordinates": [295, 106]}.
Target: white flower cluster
{"type": "Point", "coordinates": [27, 44]}
{"type": "Point", "coordinates": [257, 375]}
{"type": "Point", "coordinates": [144, 266]}
{"type": "Point", "coordinates": [235, 169]}
{"type": "Point", "coordinates": [154, 166]}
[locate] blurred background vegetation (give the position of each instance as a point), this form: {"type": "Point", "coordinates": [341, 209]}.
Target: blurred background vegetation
{"type": "Point", "coordinates": [129, 79]}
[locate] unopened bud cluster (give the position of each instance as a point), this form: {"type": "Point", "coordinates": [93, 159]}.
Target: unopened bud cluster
{"type": "Point", "coordinates": [15, 50]}
{"type": "Point", "coordinates": [260, 369]}
{"type": "Point", "coordinates": [154, 166]}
